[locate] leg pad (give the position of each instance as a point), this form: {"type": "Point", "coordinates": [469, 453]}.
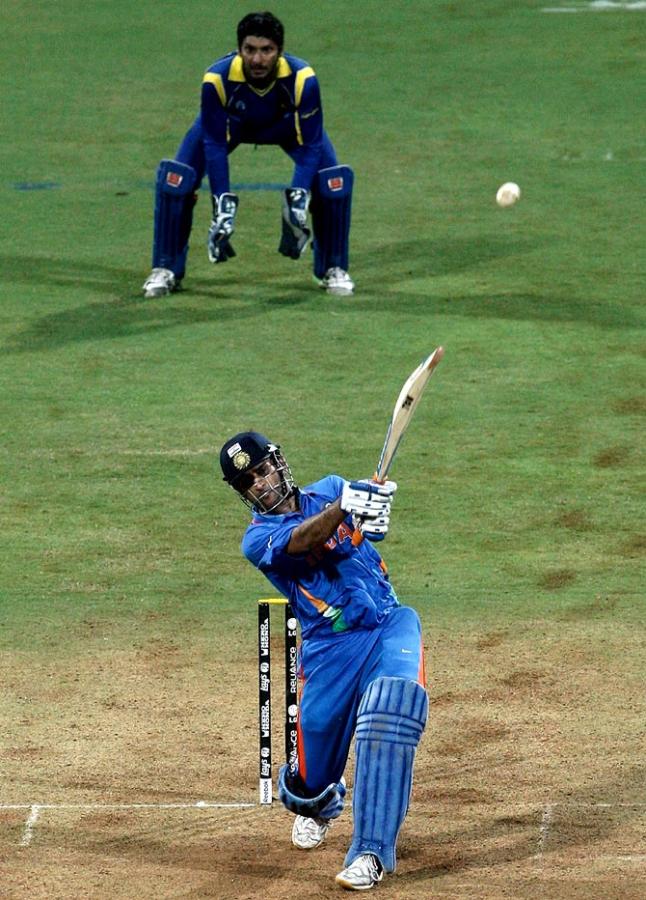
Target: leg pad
{"type": "Point", "coordinates": [331, 212]}
{"type": "Point", "coordinates": [174, 201]}
{"type": "Point", "coordinates": [390, 721]}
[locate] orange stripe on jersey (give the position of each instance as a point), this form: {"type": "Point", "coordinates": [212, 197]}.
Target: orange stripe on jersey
{"type": "Point", "coordinates": [320, 605]}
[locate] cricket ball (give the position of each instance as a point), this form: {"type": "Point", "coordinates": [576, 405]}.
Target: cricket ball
{"type": "Point", "coordinates": [507, 194]}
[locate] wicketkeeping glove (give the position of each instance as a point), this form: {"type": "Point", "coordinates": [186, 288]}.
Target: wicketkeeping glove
{"type": "Point", "coordinates": [367, 499]}
{"type": "Point", "coordinates": [222, 227]}
{"type": "Point", "coordinates": [295, 235]}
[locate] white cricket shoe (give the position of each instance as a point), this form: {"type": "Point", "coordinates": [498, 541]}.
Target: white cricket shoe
{"type": "Point", "coordinates": [160, 283]}
{"type": "Point", "coordinates": [362, 874]}
{"type": "Point", "coordinates": [337, 281]}
{"type": "Point", "coordinates": [309, 833]}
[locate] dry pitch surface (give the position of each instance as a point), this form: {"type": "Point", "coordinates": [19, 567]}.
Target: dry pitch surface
{"type": "Point", "coordinates": [529, 780]}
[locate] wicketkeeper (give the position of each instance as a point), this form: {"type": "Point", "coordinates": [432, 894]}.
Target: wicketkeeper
{"type": "Point", "coordinates": [256, 95]}
{"type": "Point", "coordinates": [361, 653]}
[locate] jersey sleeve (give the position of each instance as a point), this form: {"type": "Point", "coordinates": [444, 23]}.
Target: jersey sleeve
{"type": "Point", "coordinates": [214, 130]}
{"type": "Point", "coordinates": [265, 544]}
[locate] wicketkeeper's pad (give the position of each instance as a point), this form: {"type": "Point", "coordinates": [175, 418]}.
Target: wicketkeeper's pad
{"type": "Point", "coordinates": [331, 210]}
{"type": "Point", "coordinates": [174, 201]}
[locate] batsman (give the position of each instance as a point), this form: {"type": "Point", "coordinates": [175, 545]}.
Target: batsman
{"type": "Point", "coordinates": [361, 655]}
{"type": "Point", "coordinates": [255, 95]}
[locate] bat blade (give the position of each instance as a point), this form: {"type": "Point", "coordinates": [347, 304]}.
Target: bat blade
{"type": "Point", "coordinates": [404, 407]}
{"type": "Point", "coordinates": [407, 401]}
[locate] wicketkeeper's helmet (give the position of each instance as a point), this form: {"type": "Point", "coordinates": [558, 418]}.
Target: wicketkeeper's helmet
{"type": "Point", "coordinates": [246, 450]}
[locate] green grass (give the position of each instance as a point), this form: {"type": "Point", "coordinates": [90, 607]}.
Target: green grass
{"type": "Point", "coordinates": [519, 494]}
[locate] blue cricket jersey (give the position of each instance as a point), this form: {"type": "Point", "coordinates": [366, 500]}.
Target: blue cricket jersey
{"type": "Point", "coordinates": [332, 588]}
{"type": "Point", "coordinates": [287, 113]}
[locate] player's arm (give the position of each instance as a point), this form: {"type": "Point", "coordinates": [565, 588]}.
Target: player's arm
{"type": "Point", "coordinates": [317, 529]}
{"type": "Point", "coordinates": [225, 204]}
{"type": "Point", "coordinates": [308, 120]}
{"type": "Point", "coordinates": [367, 500]}
{"type": "Point", "coordinates": [214, 130]}
{"type": "Point", "coordinates": [309, 129]}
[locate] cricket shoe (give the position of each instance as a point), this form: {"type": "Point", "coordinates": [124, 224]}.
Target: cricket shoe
{"type": "Point", "coordinates": [337, 281]}
{"type": "Point", "coordinates": [362, 874]}
{"type": "Point", "coordinates": [160, 283]}
{"type": "Point", "coordinates": [309, 833]}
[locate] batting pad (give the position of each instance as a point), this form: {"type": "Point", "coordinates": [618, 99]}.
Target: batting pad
{"type": "Point", "coordinates": [390, 721]}
{"type": "Point", "coordinates": [174, 202]}
{"type": "Point", "coordinates": [331, 212]}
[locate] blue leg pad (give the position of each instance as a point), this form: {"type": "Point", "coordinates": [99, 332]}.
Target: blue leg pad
{"type": "Point", "coordinates": [331, 211]}
{"type": "Point", "coordinates": [174, 201]}
{"type": "Point", "coordinates": [390, 721]}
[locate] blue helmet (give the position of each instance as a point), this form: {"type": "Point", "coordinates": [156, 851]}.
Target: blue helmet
{"type": "Point", "coordinates": [245, 451]}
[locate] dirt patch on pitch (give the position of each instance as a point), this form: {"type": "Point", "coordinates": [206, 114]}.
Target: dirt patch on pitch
{"type": "Point", "coordinates": [528, 780]}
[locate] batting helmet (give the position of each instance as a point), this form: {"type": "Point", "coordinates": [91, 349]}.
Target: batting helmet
{"type": "Point", "coordinates": [245, 451]}
{"type": "Point", "coordinates": [242, 452]}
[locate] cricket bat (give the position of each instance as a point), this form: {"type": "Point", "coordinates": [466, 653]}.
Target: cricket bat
{"type": "Point", "coordinates": [402, 414]}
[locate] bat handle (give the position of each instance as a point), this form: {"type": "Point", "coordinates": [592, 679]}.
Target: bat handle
{"type": "Point", "coordinates": [357, 534]}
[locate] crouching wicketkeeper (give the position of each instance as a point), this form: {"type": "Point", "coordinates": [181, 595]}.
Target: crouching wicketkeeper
{"type": "Point", "coordinates": [255, 95]}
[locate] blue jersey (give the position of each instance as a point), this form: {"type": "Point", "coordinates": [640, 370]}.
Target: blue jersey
{"type": "Point", "coordinates": [333, 588]}
{"type": "Point", "coordinates": [287, 113]}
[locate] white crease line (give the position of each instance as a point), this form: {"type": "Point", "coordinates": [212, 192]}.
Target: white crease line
{"type": "Point", "coordinates": [28, 833]}
{"type": "Point", "coordinates": [546, 821]}
{"type": "Point", "coordinates": [200, 804]}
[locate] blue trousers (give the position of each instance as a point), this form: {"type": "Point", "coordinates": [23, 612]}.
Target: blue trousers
{"type": "Point", "coordinates": [335, 673]}
{"type": "Point", "coordinates": [191, 152]}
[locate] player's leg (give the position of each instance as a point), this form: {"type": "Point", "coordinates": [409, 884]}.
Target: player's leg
{"type": "Point", "coordinates": [390, 720]}
{"type": "Point", "coordinates": [175, 196]}
{"type": "Point", "coordinates": [327, 712]}
{"type": "Point", "coordinates": [331, 213]}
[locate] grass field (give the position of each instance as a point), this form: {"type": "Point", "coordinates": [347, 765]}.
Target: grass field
{"type": "Point", "coordinates": [126, 611]}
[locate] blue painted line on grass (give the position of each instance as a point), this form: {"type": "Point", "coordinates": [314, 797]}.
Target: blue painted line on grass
{"type": "Point", "coordinates": [36, 185]}
{"type": "Point", "coordinates": [241, 186]}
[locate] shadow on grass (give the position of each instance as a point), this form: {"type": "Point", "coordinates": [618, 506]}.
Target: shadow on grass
{"type": "Point", "coordinates": [381, 287]}
{"type": "Point", "coordinates": [126, 312]}
{"type": "Point", "coordinates": [384, 273]}
{"type": "Point", "coordinates": [433, 257]}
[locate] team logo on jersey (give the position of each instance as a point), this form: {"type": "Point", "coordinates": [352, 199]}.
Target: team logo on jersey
{"type": "Point", "coordinates": [335, 184]}
{"type": "Point", "coordinates": [174, 179]}
{"type": "Point", "coordinates": [241, 460]}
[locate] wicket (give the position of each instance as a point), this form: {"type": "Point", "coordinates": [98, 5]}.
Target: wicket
{"type": "Point", "coordinates": [265, 780]}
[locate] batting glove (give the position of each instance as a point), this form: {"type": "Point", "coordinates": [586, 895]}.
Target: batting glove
{"type": "Point", "coordinates": [366, 499]}
{"type": "Point", "coordinates": [373, 529]}
{"type": "Point", "coordinates": [326, 805]}
{"type": "Point", "coordinates": [295, 234]}
{"type": "Point", "coordinates": [222, 227]}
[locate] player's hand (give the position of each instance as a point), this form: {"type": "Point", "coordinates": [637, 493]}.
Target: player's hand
{"type": "Point", "coordinates": [222, 227]}
{"type": "Point", "coordinates": [388, 486]}
{"type": "Point", "coordinates": [373, 529]}
{"type": "Point", "coordinates": [295, 235]}
{"type": "Point", "coordinates": [366, 499]}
